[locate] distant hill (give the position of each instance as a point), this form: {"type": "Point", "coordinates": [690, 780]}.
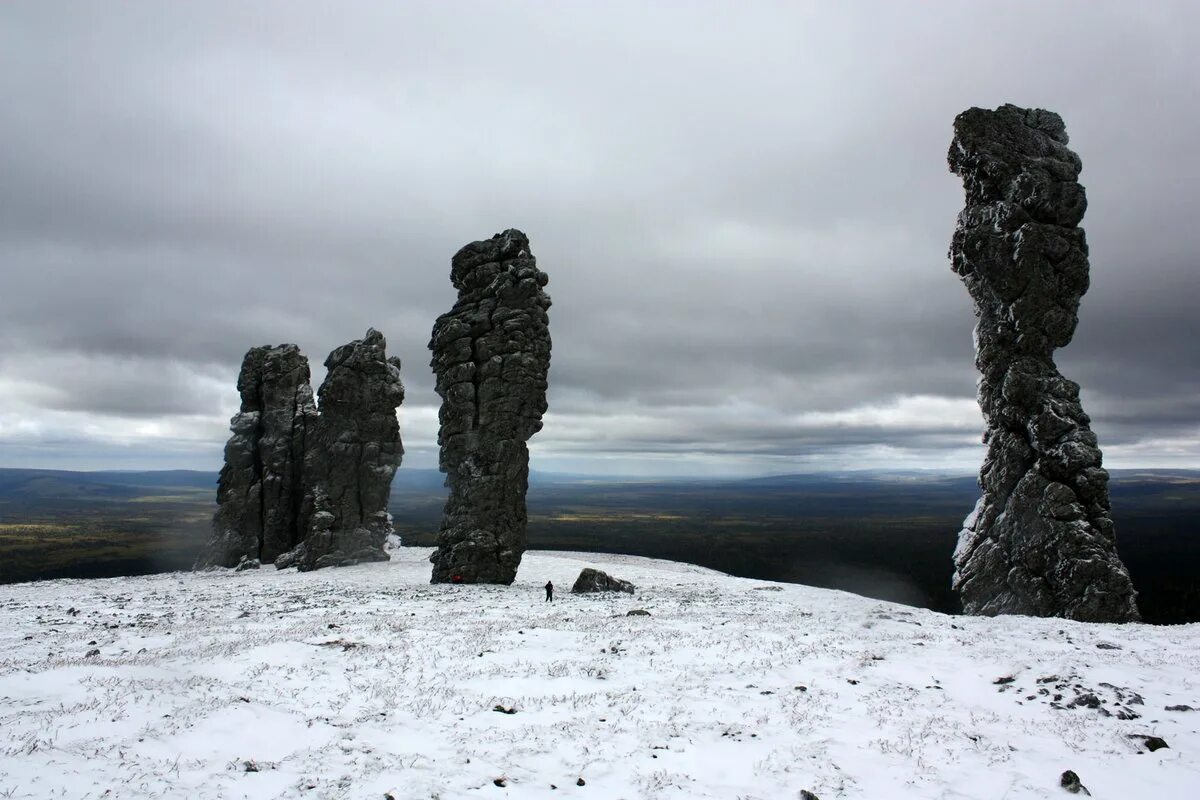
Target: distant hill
{"type": "Point", "coordinates": [40, 485]}
{"type": "Point", "coordinates": [48, 484]}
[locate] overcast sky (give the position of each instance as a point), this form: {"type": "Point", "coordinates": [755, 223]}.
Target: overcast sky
{"type": "Point", "coordinates": [744, 210]}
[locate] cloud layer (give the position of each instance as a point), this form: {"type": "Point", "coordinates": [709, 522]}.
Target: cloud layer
{"type": "Point", "coordinates": [744, 212]}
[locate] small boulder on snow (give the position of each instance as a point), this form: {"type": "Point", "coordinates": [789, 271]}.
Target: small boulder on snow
{"type": "Point", "coordinates": [593, 580]}
{"type": "Point", "coordinates": [1070, 782]}
{"type": "Point", "coordinates": [1151, 743]}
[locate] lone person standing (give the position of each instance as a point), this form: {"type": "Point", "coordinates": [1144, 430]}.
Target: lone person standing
{"type": "Point", "coordinates": [549, 592]}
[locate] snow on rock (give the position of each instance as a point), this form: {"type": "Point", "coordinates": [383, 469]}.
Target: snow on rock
{"type": "Point", "coordinates": [369, 681]}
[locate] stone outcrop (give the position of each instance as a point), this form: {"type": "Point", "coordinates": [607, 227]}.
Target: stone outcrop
{"type": "Point", "coordinates": [353, 457]}
{"type": "Point", "coordinates": [1040, 540]}
{"type": "Point", "coordinates": [593, 580]}
{"type": "Point", "coordinates": [302, 488]}
{"type": "Point", "coordinates": [261, 488]}
{"type": "Point", "coordinates": [491, 356]}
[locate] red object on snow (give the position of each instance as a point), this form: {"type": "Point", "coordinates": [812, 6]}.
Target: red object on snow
{"type": "Point", "coordinates": [457, 579]}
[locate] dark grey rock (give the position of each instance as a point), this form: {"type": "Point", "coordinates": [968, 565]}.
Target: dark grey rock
{"type": "Point", "coordinates": [1151, 743]}
{"type": "Point", "coordinates": [1040, 540]}
{"type": "Point", "coordinates": [637, 612]}
{"type": "Point", "coordinates": [354, 455]}
{"type": "Point", "coordinates": [1179, 707]}
{"type": "Point", "coordinates": [593, 580]}
{"type": "Point", "coordinates": [1070, 782]}
{"type": "Point", "coordinates": [805, 794]}
{"type": "Point", "coordinates": [491, 356]}
{"type": "Point", "coordinates": [1085, 700]}
{"type": "Point", "coordinates": [262, 484]}
{"type": "Point", "coordinates": [305, 489]}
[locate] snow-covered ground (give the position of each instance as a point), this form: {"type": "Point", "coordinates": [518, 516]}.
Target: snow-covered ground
{"type": "Point", "coordinates": [367, 681]}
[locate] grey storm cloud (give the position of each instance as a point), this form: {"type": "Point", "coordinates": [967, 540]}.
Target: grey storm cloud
{"type": "Point", "coordinates": [744, 211]}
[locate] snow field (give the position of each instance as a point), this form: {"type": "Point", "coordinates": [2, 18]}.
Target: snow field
{"type": "Point", "coordinates": [368, 681]}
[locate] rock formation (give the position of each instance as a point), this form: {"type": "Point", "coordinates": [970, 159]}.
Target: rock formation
{"type": "Point", "coordinates": [352, 459]}
{"type": "Point", "coordinates": [1040, 540]}
{"type": "Point", "coordinates": [302, 488]}
{"type": "Point", "coordinates": [593, 580]}
{"type": "Point", "coordinates": [262, 484]}
{"type": "Point", "coordinates": [491, 355]}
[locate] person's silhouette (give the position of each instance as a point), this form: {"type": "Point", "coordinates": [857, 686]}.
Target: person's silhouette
{"type": "Point", "coordinates": [549, 592]}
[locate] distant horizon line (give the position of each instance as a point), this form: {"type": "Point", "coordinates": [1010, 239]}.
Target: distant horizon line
{"type": "Point", "coordinates": [636, 477]}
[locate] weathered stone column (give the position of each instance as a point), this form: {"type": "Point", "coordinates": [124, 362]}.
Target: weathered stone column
{"type": "Point", "coordinates": [262, 484]}
{"type": "Point", "coordinates": [1040, 541]}
{"type": "Point", "coordinates": [491, 355]}
{"type": "Point", "coordinates": [352, 458]}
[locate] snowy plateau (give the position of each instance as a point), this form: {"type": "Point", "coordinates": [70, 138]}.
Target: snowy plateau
{"type": "Point", "coordinates": [368, 682]}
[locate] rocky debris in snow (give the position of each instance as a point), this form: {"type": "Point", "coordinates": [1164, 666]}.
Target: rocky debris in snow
{"type": "Point", "coordinates": [491, 356]}
{"type": "Point", "coordinates": [1151, 743]}
{"type": "Point", "coordinates": [248, 563]}
{"type": "Point", "coordinates": [261, 486]}
{"type": "Point", "coordinates": [354, 455]}
{"type": "Point", "coordinates": [637, 612]}
{"type": "Point", "coordinates": [1070, 782]}
{"type": "Point", "coordinates": [504, 709]}
{"type": "Point", "coordinates": [1179, 707]}
{"type": "Point", "coordinates": [1124, 694]}
{"type": "Point", "coordinates": [1107, 646]}
{"type": "Point", "coordinates": [593, 580]}
{"type": "Point", "coordinates": [1041, 540]}
{"type": "Point", "coordinates": [805, 794]}
{"type": "Point", "coordinates": [342, 643]}
{"type": "Point", "coordinates": [1106, 699]}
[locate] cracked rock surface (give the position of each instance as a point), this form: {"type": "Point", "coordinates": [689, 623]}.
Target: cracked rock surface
{"type": "Point", "coordinates": [491, 356]}
{"type": "Point", "coordinates": [261, 488]}
{"type": "Point", "coordinates": [1040, 540]}
{"type": "Point", "coordinates": [352, 459]}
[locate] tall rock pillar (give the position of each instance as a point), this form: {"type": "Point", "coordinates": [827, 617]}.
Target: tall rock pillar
{"type": "Point", "coordinates": [1040, 540]}
{"type": "Point", "coordinates": [352, 458]}
{"type": "Point", "coordinates": [261, 489]}
{"type": "Point", "coordinates": [491, 356]}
